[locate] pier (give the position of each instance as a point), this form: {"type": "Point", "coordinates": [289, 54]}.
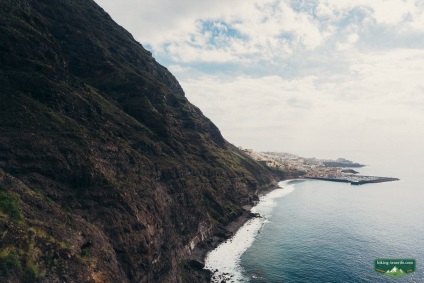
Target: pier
{"type": "Point", "coordinates": [353, 179]}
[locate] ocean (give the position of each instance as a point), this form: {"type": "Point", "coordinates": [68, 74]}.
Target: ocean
{"type": "Point", "coordinates": [320, 231]}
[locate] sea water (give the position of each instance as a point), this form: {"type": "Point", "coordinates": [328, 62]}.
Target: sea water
{"type": "Point", "coordinates": [320, 231]}
{"type": "Point", "coordinates": [225, 259]}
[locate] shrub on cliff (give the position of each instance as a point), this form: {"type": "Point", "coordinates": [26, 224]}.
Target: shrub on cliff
{"type": "Point", "coordinates": [9, 204]}
{"type": "Point", "coordinates": [30, 274]}
{"type": "Point", "coordinates": [8, 263]}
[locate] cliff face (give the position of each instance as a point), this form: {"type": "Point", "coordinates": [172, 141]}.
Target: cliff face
{"type": "Point", "coordinates": [107, 172]}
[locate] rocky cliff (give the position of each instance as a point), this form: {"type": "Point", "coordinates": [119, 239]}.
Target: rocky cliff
{"type": "Point", "coordinates": [107, 172]}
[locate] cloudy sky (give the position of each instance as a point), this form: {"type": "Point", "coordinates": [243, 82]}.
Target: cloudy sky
{"type": "Point", "coordinates": [305, 76]}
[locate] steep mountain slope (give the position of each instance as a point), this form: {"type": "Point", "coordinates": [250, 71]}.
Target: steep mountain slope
{"type": "Point", "coordinates": [107, 172]}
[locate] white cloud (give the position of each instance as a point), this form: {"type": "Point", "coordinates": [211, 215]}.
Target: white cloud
{"type": "Point", "coordinates": [380, 100]}
{"type": "Point", "coordinates": [178, 29]}
{"type": "Point", "coordinates": [280, 74]}
{"type": "Point", "coordinates": [390, 12]}
{"type": "Point", "coordinates": [267, 25]}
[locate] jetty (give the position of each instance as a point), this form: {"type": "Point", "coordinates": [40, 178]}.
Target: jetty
{"type": "Point", "coordinates": [353, 179]}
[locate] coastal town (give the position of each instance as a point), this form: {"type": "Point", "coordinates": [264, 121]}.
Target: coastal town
{"type": "Point", "coordinates": [339, 170]}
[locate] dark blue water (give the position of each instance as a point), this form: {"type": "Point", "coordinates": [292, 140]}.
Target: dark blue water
{"type": "Point", "coordinates": [332, 232]}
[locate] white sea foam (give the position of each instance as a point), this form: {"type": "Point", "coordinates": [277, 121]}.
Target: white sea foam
{"type": "Point", "coordinates": [224, 261]}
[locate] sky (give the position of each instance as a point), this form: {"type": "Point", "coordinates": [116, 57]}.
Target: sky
{"type": "Point", "coordinates": [310, 77]}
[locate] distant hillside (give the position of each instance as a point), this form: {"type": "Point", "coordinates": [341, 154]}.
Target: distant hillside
{"type": "Point", "coordinates": [107, 172]}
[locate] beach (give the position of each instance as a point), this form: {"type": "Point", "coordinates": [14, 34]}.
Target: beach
{"type": "Point", "coordinates": [224, 260]}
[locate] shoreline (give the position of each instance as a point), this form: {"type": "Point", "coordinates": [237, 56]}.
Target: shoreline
{"type": "Point", "coordinates": [221, 259]}
{"type": "Point", "coordinates": [221, 235]}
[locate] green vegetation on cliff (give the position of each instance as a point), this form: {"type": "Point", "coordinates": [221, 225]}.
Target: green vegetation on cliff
{"type": "Point", "coordinates": [9, 205]}
{"type": "Point", "coordinates": [109, 173]}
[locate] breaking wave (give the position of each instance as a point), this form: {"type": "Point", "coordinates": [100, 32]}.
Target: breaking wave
{"type": "Point", "coordinates": [224, 261]}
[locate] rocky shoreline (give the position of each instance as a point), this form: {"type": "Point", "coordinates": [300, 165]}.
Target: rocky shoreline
{"type": "Point", "coordinates": [195, 266]}
{"type": "Point", "coordinates": [196, 262]}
